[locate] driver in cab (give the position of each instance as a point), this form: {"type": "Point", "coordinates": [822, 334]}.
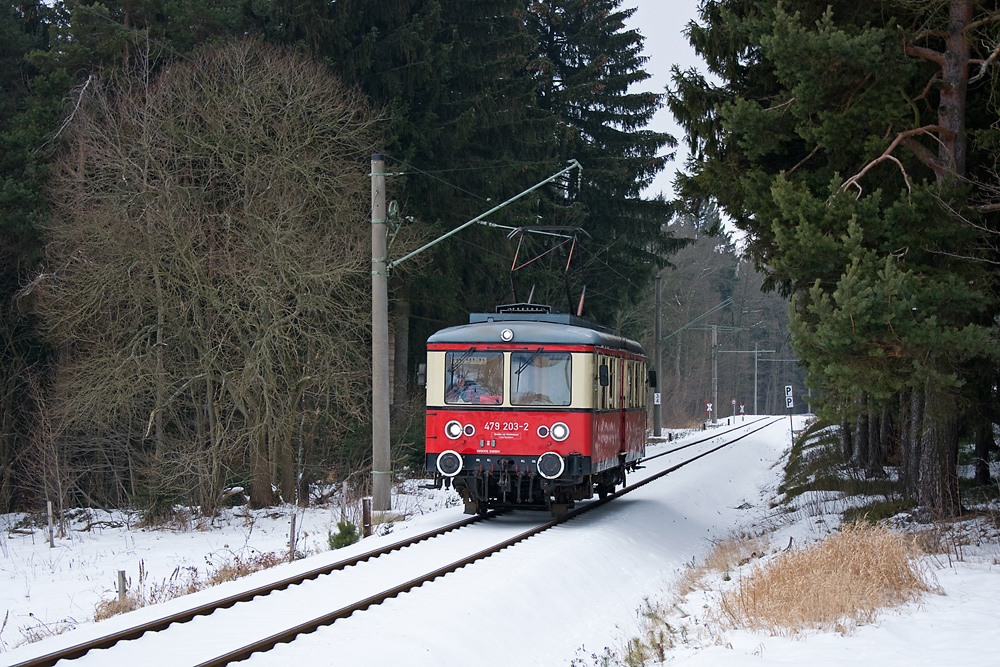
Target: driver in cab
{"type": "Point", "coordinates": [461, 392]}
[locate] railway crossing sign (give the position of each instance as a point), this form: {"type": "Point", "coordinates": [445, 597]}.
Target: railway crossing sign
{"type": "Point", "coordinates": [789, 400]}
{"type": "Point", "coordinates": [742, 411]}
{"type": "Point", "coordinates": [708, 407]}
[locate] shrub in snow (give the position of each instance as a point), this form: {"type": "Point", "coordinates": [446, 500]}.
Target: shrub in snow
{"type": "Point", "coordinates": [347, 533]}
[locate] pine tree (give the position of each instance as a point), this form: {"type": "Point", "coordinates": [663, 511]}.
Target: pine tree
{"type": "Point", "coordinates": [840, 152]}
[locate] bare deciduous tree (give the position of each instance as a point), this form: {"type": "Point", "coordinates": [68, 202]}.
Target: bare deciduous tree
{"type": "Point", "coordinates": [207, 287]}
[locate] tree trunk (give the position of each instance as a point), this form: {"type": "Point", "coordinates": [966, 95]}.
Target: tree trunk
{"type": "Point", "coordinates": [861, 444]}
{"type": "Point", "coordinates": [873, 462]}
{"type": "Point", "coordinates": [910, 445]}
{"type": "Point", "coordinates": [952, 150]}
{"type": "Point", "coordinates": [846, 444]}
{"type": "Point", "coordinates": [938, 484]}
{"type": "Point", "coordinates": [307, 439]}
{"type": "Point", "coordinates": [889, 438]}
{"type": "Point", "coordinates": [260, 472]}
{"type": "Point", "coordinates": [984, 446]}
{"type": "Point", "coordinates": [286, 469]}
{"type": "Point", "coordinates": [212, 443]}
{"type": "Point", "coordinates": [160, 445]}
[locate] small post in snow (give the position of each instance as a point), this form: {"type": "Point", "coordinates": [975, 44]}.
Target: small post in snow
{"type": "Point", "coordinates": [52, 541]}
{"type": "Point", "coordinates": [343, 503]}
{"type": "Point", "coordinates": [366, 516]}
{"type": "Point", "coordinates": [291, 540]}
{"type": "Point", "coordinates": [790, 403]}
{"type": "Point", "coordinates": [121, 585]}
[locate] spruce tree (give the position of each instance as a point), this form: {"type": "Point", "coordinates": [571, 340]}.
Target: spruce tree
{"type": "Point", "coordinates": [29, 115]}
{"type": "Point", "coordinates": [587, 68]}
{"type": "Point", "coordinates": [843, 139]}
{"type": "Point", "coordinates": [494, 97]}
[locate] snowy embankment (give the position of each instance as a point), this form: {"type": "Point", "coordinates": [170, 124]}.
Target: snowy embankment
{"type": "Point", "coordinates": [559, 597]}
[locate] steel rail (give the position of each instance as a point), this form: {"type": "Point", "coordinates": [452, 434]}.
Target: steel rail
{"type": "Point", "coordinates": [290, 634]}
{"type": "Point", "coordinates": [108, 641]}
{"type": "Point", "coordinates": [705, 439]}
{"type": "Point", "coordinates": [771, 422]}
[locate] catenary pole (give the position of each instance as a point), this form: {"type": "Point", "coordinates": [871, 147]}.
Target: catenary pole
{"type": "Point", "coordinates": [380, 342]}
{"type": "Point", "coordinates": [657, 407]}
{"type": "Point", "coordinates": [756, 356]}
{"type": "Point", "coordinates": [381, 461]}
{"type": "Point", "coordinates": [715, 374]}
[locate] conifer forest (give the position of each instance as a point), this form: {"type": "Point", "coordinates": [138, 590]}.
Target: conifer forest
{"type": "Point", "coordinates": [185, 238]}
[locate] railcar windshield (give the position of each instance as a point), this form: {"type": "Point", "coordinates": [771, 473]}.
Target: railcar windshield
{"type": "Point", "coordinates": [474, 377]}
{"type": "Point", "coordinates": [541, 378]}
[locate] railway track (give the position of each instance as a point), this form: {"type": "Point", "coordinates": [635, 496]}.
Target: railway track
{"type": "Point", "coordinates": [241, 636]}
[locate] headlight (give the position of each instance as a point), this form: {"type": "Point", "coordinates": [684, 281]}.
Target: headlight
{"type": "Point", "coordinates": [469, 430]}
{"type": "Point", "coordinates": [453, 429]}
{"type": "Point", "coordinates": [543, 431]}
{"type": "Point", "coordinates": [449, 463]}
{"type": "Point", "coordinates": [550, 465]}
{"type": "Point", "coordinates": [559, 431]}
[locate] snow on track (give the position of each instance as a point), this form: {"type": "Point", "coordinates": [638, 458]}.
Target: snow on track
{"type": "Point", "coordinates": [537, 602]}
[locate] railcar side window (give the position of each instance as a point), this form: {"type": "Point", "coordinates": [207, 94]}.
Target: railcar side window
{"type": "Point", "coordinates": [604, 388]}
{"type": "Point", "coordinates": [541, 378]}
{"type": "Point", "coordinates": [473, 377]}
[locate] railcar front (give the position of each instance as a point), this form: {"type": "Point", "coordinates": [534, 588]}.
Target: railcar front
{"type": "Point", "coordinates": [533, 410]}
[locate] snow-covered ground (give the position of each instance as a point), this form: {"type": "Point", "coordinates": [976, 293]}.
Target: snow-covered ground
{"type": "Point", "coordinates": [573, 595]}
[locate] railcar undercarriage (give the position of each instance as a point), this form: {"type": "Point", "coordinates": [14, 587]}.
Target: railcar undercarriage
{"type": "Point", "coordinates": [505, 485]}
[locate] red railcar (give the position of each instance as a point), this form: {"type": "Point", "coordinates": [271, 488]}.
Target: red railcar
{"type": "Point", "coordinates": [527, 407]}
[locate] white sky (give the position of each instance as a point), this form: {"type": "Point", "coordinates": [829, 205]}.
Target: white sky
{"type": "Point", "coordinates": [662, 23]}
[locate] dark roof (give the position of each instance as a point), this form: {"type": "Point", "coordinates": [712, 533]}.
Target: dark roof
{"type": "Point", "coordinates": [534, 329]}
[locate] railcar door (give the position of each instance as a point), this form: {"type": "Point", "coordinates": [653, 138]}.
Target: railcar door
{"type": "Point", "coordinates": [622, 403]}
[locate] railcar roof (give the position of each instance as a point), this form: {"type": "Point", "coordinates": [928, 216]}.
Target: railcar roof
{"type": "Point", "coordinates": [534, 329]}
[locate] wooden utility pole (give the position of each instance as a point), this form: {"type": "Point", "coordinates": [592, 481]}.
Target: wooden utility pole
{"type": "Point", "coordinates": [380, 342]}
{"type": "Point", "coordinates": [715, 374]}
{"type": "Point", "coordinates": [756, 361]}
{"type": "Point", "coordinates": [658, 397]}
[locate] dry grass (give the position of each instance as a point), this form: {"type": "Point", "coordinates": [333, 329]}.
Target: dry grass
{"type": "Point", "coordinates": [726, 556]}
{"type": "Point", "coordinates": [240, 567]}
{"type": "Point", "coordinates": [663, 625]}
{"type": "Point", "coordinates": [182, 582]}
{"type": "Point", "coordinates": [835, 584]}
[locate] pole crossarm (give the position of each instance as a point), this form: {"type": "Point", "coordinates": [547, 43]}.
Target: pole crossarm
{"type": "Point", "coordinates": [381, 460]}
{"type": "Point", "coordinates": [573, 164]}
{"type": "Point", "coordinates": [727, 302]}
{"type": "Point", "coordinates": [719, 327]}
{"type": "Point", "coordinates": [746, 352]}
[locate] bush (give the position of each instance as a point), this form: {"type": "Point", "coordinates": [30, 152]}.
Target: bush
{"type": "Point", "coordinates": [347, 533]}
{"type": "Point", "coordinates": [836, 584]}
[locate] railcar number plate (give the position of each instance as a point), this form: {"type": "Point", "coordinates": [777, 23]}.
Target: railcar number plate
{"type": "Point", "coordinates": [506, 426]}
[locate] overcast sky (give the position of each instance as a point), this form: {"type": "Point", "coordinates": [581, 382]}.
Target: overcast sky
{"type": "Point", "coordinates": [662, 23]}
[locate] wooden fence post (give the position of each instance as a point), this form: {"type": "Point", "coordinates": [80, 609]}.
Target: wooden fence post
{"type": "Point", "coordinates": [52, 542]}
{"type": "Point", "coordinates": [366, 514]}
